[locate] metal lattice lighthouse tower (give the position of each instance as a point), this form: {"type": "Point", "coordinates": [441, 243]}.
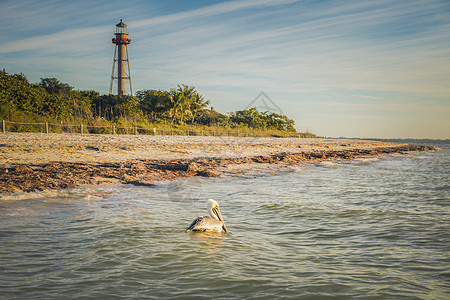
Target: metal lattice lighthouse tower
{"type": "Point", "coordinates": [121, 41]}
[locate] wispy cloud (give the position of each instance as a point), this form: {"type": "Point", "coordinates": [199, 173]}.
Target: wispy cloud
{"type": "Point", "coordinates": [46, 40]}
{"type": "Point", "coordinates": [212, 10]}
{"type": "Point", "coordinates": [336, 55]}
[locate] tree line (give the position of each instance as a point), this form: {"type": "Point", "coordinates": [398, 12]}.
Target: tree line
{"type": "Point", "coordinates": [51, 99]}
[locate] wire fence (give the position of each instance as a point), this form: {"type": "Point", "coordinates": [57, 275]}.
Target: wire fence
{"type": "Point", "coordinates": [45, 127]}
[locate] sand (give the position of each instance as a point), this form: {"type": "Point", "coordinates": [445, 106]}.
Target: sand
{"type": "Point", "coordinates": [32, 162]}
{"type": "Point", "coordinates": [37, 148]}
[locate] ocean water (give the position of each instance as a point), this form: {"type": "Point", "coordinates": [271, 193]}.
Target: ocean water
{"type": "Point", "coordinates": [365, 229]}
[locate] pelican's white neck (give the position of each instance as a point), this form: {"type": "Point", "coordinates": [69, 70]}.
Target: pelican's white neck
{"type": "Point", "coordinates": [211, 205]}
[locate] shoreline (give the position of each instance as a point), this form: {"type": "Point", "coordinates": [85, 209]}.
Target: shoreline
{"type": "Point", "coordinates": [38, 162]}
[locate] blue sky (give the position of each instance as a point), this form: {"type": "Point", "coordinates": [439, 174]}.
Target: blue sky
{"type": "Point", "coordinates": [338, 68]}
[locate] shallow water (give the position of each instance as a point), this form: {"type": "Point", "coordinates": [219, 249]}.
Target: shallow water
{"type": "Point", "coordinates": [367, 229]}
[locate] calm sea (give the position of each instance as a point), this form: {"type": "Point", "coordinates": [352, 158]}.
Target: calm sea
{"type": "Point", "coordinates": [366, 229]}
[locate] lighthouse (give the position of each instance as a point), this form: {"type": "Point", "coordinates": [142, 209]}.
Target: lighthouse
{"type": "Point", "coordinates": [121, 41]}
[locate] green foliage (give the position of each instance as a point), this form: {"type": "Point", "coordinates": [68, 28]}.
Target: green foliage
{"type": "Point", "coordinates": [113, 107]}
{"type": "Point", "coordinates": [155, 103]}
{"type": "Point", "coordinates": [213, 118]}
{"type": "Point", "coordinates": [178, 105]}
{"type": "Point", "coordinates": [266, 120]}
{"type": "Point", "coordinates": [54, 86]}
{"type": "Point", "coordinates": [50, 99]}
{"type": "Point", "coordinates": [55, 101]}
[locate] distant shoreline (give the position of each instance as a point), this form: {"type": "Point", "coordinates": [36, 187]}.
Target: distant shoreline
{"type": "Point", "coordinates": [34, 162]}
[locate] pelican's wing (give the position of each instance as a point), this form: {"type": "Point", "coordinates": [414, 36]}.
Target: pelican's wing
{"type": "Point", "coordinates": [195, 224]}
{"type": "Point", "coordinates": [205, 223]}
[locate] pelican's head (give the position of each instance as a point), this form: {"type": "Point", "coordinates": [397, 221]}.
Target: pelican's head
{"type": "Point", "coordinates": [214, 212]}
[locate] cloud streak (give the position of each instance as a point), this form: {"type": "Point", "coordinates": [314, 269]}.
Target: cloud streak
{"type": "Point", "coordinates": [331, 55]}
{"type": "Point", "coordinates": [213, 10]}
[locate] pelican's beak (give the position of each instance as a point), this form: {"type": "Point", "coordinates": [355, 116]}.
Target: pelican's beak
{"type": "Point", "coordinates": [216, 211]}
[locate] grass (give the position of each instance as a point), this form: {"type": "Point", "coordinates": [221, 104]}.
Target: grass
{"type": "Point", "coordinates": [99, 126]}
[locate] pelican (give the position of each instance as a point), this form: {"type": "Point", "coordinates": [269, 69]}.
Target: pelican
{"type": "Point", "coordinates": [213, 222]}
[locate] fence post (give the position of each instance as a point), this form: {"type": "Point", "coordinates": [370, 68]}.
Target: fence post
{"type": "Point", "coordinates": [46, 127]}
{"type": "Point", "coordinates": [171, 131]}
{"type": "Point", "coordinates": [154, 131]}
{"type": "Point", "coordinates": [3, 126]}
{"type": "Point", "coordinates": [113, 129]}
{"type": "Point", "coordinates": [187, 132]}
{"type": "Point", "coordinates": [135, 130]}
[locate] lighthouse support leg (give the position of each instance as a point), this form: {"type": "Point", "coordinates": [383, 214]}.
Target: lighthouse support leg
{"type": "Point", "coordinates": [112, 73]}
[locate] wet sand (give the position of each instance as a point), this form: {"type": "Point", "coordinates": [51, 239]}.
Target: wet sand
{"type": "Point", "coordinates": [34, 161]}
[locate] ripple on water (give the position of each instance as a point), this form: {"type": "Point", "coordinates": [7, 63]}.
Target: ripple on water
{"type": "Point", "coordinates": [372, 230]}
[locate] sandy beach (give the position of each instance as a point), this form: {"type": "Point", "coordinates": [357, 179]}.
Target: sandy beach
{"type": "Point", "coordinates": [35, 161]}
{"type": "Point", "coordinates": [35, 148]}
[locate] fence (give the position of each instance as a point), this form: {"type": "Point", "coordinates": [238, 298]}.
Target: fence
{"type": "Point", "coordinates": [45, 127]}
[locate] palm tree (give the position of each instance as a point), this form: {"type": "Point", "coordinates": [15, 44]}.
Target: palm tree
{"type": "Point", "coordinates": [174, 101]}
{"type": "Point", "coordinates": [185, 103]}
{"type": "Point", "coordinates": [198, 104]}
{"type": "Point", "coordinates": [181, 99]}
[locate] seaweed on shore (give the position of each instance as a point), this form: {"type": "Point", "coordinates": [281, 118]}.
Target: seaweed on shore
{"type": "Point", "coordinates": [63, 175]}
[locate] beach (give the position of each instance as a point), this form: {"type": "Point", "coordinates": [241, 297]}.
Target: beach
{"type": "Point", "coordinates": [92, 217]}
{"type": "Point", "coordinates": [35, 161]}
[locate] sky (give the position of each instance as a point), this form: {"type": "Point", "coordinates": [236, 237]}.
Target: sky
{"type": "Point", "coordinates": [350, 68]}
